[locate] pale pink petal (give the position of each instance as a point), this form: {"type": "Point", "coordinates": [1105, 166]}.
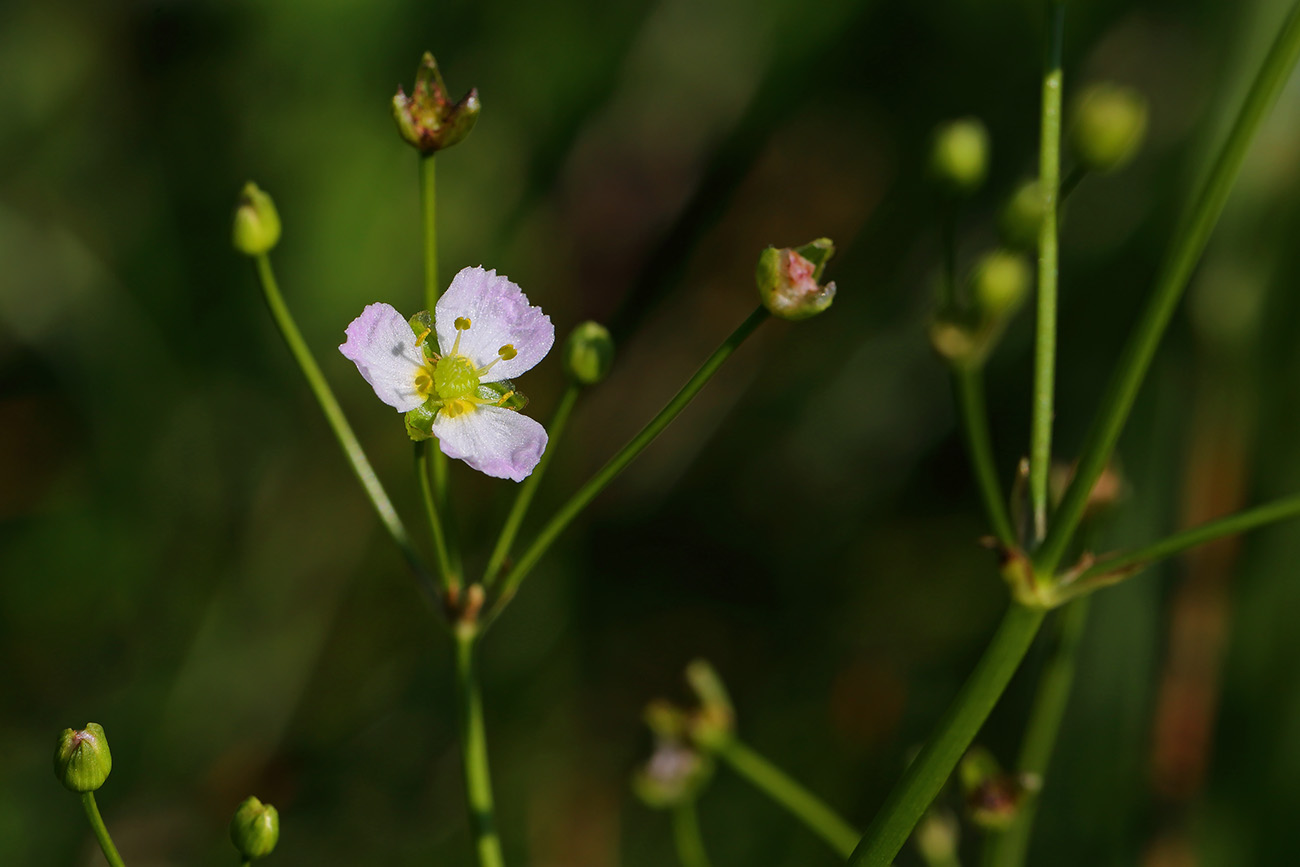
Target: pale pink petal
{"type": "Point", "coordinates": [381, 344]}
{"type": "Point", "coordinates": [499, 315]}
{"type": "Point", "coordinates": [496, 441]}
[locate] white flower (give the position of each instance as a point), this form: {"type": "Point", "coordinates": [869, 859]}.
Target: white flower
{"type": "Point", "coordinates": [486, 331]}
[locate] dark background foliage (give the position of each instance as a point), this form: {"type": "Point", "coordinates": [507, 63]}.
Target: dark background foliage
{"type": "Point", "coordinates": [185, 558]}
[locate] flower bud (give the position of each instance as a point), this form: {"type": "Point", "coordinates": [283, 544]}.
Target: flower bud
{"type": "Point", "coordinates": [787, 279]}
{"type": "Point", "coordinates": [1022, 217]}
{"type": "Point", "coordinates": [1110, 121]}
{"type": "Point", "coordinates": [715, 721]}
{"type": "Point", "coordinates": [255, 829]}
{"type": "Point", "coordinates": [674, 774]}
{"type": "Point", "coordinates": [959, 156]}
{"type": "Point", "coordinates": [993, 796]}
{"type": "Point", "coordinates": [257, 223]}
{"type": "Point", "coordinates": [1000, 283]}
{"type": "Point", "coordinates": [589, 353]}
{"type": "Point", "coordinates": [428, 119]}
{"type": "Point", "coordinates": [937, 836]}
{"type": "Point", "coordinates": [81, 758]}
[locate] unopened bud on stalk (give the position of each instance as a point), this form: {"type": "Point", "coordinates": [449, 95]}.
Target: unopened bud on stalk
{"type": "Point", "coordinates": [257, 223]}
{"type": "Point", "coordinates": [937, 836]}
{"type": "Point", "coordinates": [81, 758]}
{"type": "Point", "coordinates": [1022, 217]}
{"type": "Point", "coordinates": [428, 119]}
{"type": "Point", "coordinates": [255, 829]}
{"type": "Point", "coordinates": [787, 279]}
{"type": "Point", "coordinates": [1110, 121]}
{"type": "Point", "coordinates": [1000, 283]}
{"type": "Point", "coordinates": [993, 796]}
{"type": "Point", "coordinates": [959, 156]}
{"type": "Point", "coordinates": [589, 353]}
{"type": "Point", "coordinates": [715, 721]}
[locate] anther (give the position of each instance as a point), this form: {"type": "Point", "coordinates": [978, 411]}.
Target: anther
{"type": "Point", "coordinates": [462, 323]}
{"type": "Point", "coordinates": [507, 352]}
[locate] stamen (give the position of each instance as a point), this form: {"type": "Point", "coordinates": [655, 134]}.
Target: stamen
{"type": "Point", "coordinates": [419, 341]}
{"type": "Point", "coordinates": [462, 324]}
{"type": "Point", "coordinates": [507, 352]}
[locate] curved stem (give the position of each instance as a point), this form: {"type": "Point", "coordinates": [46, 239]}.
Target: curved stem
{"type": "Point", "coordinates": [927, 773]}
{"type": "Point", "coordinates": [968, 386]}
{"type": "Point", "coordinates": [1009, 848]}
{"type": "Point", "coordinates": [450, 579]}
{"type": "Point", "coordinates": [1194, 233]}
{"type": "Point", "coordinates": [342, 430]}
{"type": "Point", "coordinates": [101, 830]}
{"type": "Point", "coordinates": [1049, 180]}
{"type": "Point", "coordinates": [780, 787]}
{"type": "Point", "coordinates": [686, 834]}
{"type": "Point", "coordinates": [625, 456]}
{"type": "Point", "coordinates": [473, 747]}
{"type": "Point", "coordinates": [529, 487]}
{"type": "Point", "coordinates": [1140, 558]}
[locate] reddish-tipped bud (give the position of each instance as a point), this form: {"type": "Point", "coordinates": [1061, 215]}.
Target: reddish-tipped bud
{"type": "Point", "coordinates": [428, 119]}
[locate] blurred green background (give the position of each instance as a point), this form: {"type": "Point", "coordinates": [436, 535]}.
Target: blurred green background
{"type": "Point", "coordinates": [185, 558]}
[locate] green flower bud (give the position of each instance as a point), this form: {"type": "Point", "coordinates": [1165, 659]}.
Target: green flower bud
{"type": "Point", "coordinates": [589, 353]}
{"type": "Point", "coordinates": [787, 279]}
{"type": "Point", "coordinates": [428, 119]}
{"type": "Point", "coordinates": [1022, 217]}
{"type": "Point", "coordinates": [675, 774]}
{"type": "Point", "coordinates": [937, 836]}
{"type": "Point", "coordinates": [959, 155]}
{"type": "Point", "coordinates": [1110, 121]}
{"type": "Point", "coordinates": [257, 223]}
{"type": "Point", "coordinates": [255, 829]}
{"type": "Point", "coordinates": [715, 721]}
{"type": "Point", "coordinates": [1000, 283]}
{"type": "Point", "coordinates": [81, 758]}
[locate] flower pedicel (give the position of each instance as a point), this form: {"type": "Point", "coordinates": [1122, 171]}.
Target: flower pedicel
{"type": "Point", "coordinates": [485, 333]}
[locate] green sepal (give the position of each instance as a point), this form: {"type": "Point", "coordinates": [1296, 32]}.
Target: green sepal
{"type": "Point", "coordinates": [82, 760]}
{"type": "Point", "coordinates": [419, 421]}
{"type": "Point", "coordinates": [495, 391]}
{"type": "Point", "coordinates": [422, 324]}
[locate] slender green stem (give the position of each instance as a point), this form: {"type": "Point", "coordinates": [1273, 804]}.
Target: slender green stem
{"type": "Point", "coordinates": [1009, 848]}
{"type": "Point", "coordinates": [429, 236]}
{"type": "Point", "coordinates": [780, 787]}
{"type": "Point", "coordinates": [101, 830]}
{"type": "Point", "coordinates": [1049, 179]}
{"type": "Point", "coordinates": [529, 486]}
{"type": "Point", "coordinates": [1193, 234]}
{"type": "Point", "coordinates": [473, 747]}
{"type": "Point", "coordinates": [926, 774]}
{"type": "Point", "coordinates": [968, 387]}
{"type": "Point", "coordinates": [342, 430]}
{"type": "Point", "coordinates": [1278, 510]}
{"type": "Point", "coordinates": [432, 291]}
{"type": "Point", "coordinates": [450, 578]}
{"type": "Point", "coordinates": [1072, 180]}
{"type": "Point", "coordinates": [687, 836]}
{"type": "Point", "coordinates": [625, 456]}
